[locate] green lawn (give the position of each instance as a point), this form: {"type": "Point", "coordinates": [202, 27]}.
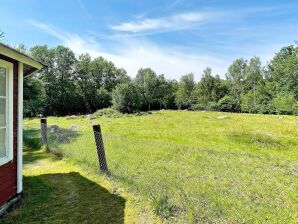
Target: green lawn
{"type": "Point", "coordinates": [56, 191]}
{"type": "Point", "coordinates": [194, 167]}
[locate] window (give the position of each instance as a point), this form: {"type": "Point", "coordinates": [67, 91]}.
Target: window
{"type": "Point", "coordinates": [6, 151]}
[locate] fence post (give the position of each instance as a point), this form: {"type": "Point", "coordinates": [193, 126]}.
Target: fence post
{"type": "Point", "coordinates": [44, 136]}
{"type": "Point", "coordinates": [100, 148]}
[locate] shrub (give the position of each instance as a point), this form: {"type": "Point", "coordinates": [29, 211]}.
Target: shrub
{"type": "Point", "coordinates": [228, 104]}
{"type": "Point", "coordinates": [248, 105]}
{"type": "Point", "coordinates": [126, 98]}
{"type": "Point", "coordinates": [198, 107]}
{"type": "Point", "coordinates": [211, 106]}
{"type": "Point", "coordinates": [34, 97]}
{"type": "Point", "coordinates": [284, 103]}
{"type": "Point", "coordinates": [162, 206]}
{"type": "Point", "coordinates": [103, 98]}
{"type": "Point", "coordinates": [107, 112]}
{"type": "Point", "coordinates": [295, 111]}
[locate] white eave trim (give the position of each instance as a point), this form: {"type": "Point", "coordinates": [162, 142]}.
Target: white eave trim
{"type": "Point", "coordinates": [20, 57]}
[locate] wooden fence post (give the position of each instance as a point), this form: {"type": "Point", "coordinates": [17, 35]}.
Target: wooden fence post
{"type": "Point", "coordinates": [100, 148]}
{"type": "Point", "coordinates": [43, 132]}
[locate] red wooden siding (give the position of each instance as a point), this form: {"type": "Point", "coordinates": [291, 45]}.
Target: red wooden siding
{"type": "Point", "coordinates": [8, 172]}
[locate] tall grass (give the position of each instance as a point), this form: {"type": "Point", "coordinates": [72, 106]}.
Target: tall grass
{"type": "Point", "coordinates": [197, 167]}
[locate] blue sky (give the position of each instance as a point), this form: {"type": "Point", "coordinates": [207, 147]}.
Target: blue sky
{"type": "Point", "coordinates": [173, 37]}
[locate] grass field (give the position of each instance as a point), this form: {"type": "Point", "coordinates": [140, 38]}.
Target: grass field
{"type": "Point", "coordinates": [58, 191]}
{"type": "Point", "coordinates": [194, 167]}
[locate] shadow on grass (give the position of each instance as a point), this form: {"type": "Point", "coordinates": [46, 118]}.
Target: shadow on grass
{"type": "Point", "coordinates": [31, 138]}
{"type": "Point", "coordinates": [259, 140]}
{"type": "Point", "coordinates": [56, 138]}
{"type": "Point", "coordinates": [66, 198]}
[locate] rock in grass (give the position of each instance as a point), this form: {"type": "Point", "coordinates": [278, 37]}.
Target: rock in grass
{"type": "Point", "coordinates": [53, 128]}
{"type": "Point", "coordinates": [74, 128]}
{"type": "Point", "coordinates": [71, 117]}
{"type": "Point", "coordinates": [89, 117]}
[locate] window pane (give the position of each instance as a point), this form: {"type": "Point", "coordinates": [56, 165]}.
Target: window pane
{"type": "Point", "coordinates": [2, 82]}
{"type": "Point", "coordinates": [2, 112]}
{"type": "Point", "coordinates": [2, 142]}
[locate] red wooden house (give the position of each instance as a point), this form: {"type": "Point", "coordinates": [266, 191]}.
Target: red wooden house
{"type": "Point", "coordinates": [14, 66]}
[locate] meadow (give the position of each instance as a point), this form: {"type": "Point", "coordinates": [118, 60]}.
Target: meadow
{"type": "Point", "coordinates": [192, 167]}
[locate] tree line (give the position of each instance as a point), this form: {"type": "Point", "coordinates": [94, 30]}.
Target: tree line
{"type": "Point", "coordinates": [80, 85]}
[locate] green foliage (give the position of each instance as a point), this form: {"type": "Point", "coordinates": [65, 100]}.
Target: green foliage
{"type": "Point", "coordinates": [185, 93]}
{"type": "Point", "coordinates": [283, 70]}
{"type": "Point", "coordinates": [107, 112]}
{"type": "Point", "coordinates": [83, 85]}
{"type": "Point", "coordinates": [147, 82]}
{"type": "Point", "coordinates": [166, 90]}
{"type": "Point", "coordinates": [126, 98]}
{"type": "Point", "coordinates": [210, 106]}
{"type": "Point", "coordinates": [198, 107]}
{"type": "Point", "coordinates": [103, 98]}
{"type": "Point", "coordinates": [236, 77]}
{"type": "Point", "coordinates": [75, 85]}
{"type": "Point", "coordinates": [228, 104]}
{"type": "Point", "coordinates": [105, 74]}
{"type": "Point", "coordinates": [295, 109]}
{"type": "Point", "coordinates": [96, 79]}
{"type": "Point", "coordinates": [83, 79]}
{"type": "Point", "coordinates": [285, 103]}
{"type": "Point", "coordinates": [34, 97]}
{"type": "Point", "coordinates": [257, 100]}
{"type": "Point", "coordinates": [210, 89]}
{"type": "Point", "coordinates": [253, 74]}
{"type": "Point", "coordinates": [248, 103]}
{"type": "Point", "coordinates": [60, 89]}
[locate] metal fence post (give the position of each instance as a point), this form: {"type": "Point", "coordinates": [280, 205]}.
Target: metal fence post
{"type": "Point", "coordinates": [44, 136]}
{"type": "Point", "coordinates": [100, 148]}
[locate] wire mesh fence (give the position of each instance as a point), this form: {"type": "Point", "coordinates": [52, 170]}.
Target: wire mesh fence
{"type": "Point", "coordinates": [187, 184]}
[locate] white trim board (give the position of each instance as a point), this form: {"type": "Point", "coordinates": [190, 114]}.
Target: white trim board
{"type": "Point", "coordinates": [9, 113]}
{"type": "Point", "coordinates": [20, 57]}
{"type": "Point", "coordinates": [20, 130]}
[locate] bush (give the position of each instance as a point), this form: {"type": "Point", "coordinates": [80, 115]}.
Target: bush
{"type": "Point", "coordinates": [284, 103]}
{"type": "Point", "coordinates": [198, 107]}
{"type": "Point", "coordinates": [103, 98]}
{"type": "Point", "coordinates": [211, 106]}
{"type": "Point", "coordinates": [107, 112]}
{"type": "Point", "coordinates": [126, 98]}
{"type": "Point", "coordinates": [228, 104]}
{"type": "Point", "coordinates": [34, 97]}
{"type": "Point", "coordinates": [247, 103]}
{"type": "Point", "coordinates": [295, 111]}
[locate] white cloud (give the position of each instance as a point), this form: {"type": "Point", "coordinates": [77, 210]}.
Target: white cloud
{"type": "Point", "coordinates": [187, 20]}
{"type": "Point", "coordinates": [132, 54]}
{"type": "Point", "coordinates": [48, 30]}
{"type": "Point", "coordinates": [174, 22]}
{"type": "Point", "coordinates": [129, 51]}
{"type": "Point", "coordinates": [189, 17]}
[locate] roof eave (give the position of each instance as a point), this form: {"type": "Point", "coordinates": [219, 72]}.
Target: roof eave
{"type": "Point", "coordinates": [16, 55]}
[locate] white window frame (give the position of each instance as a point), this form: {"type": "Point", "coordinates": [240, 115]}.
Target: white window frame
{"type": "Point", "coordinates": [9, 112]}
